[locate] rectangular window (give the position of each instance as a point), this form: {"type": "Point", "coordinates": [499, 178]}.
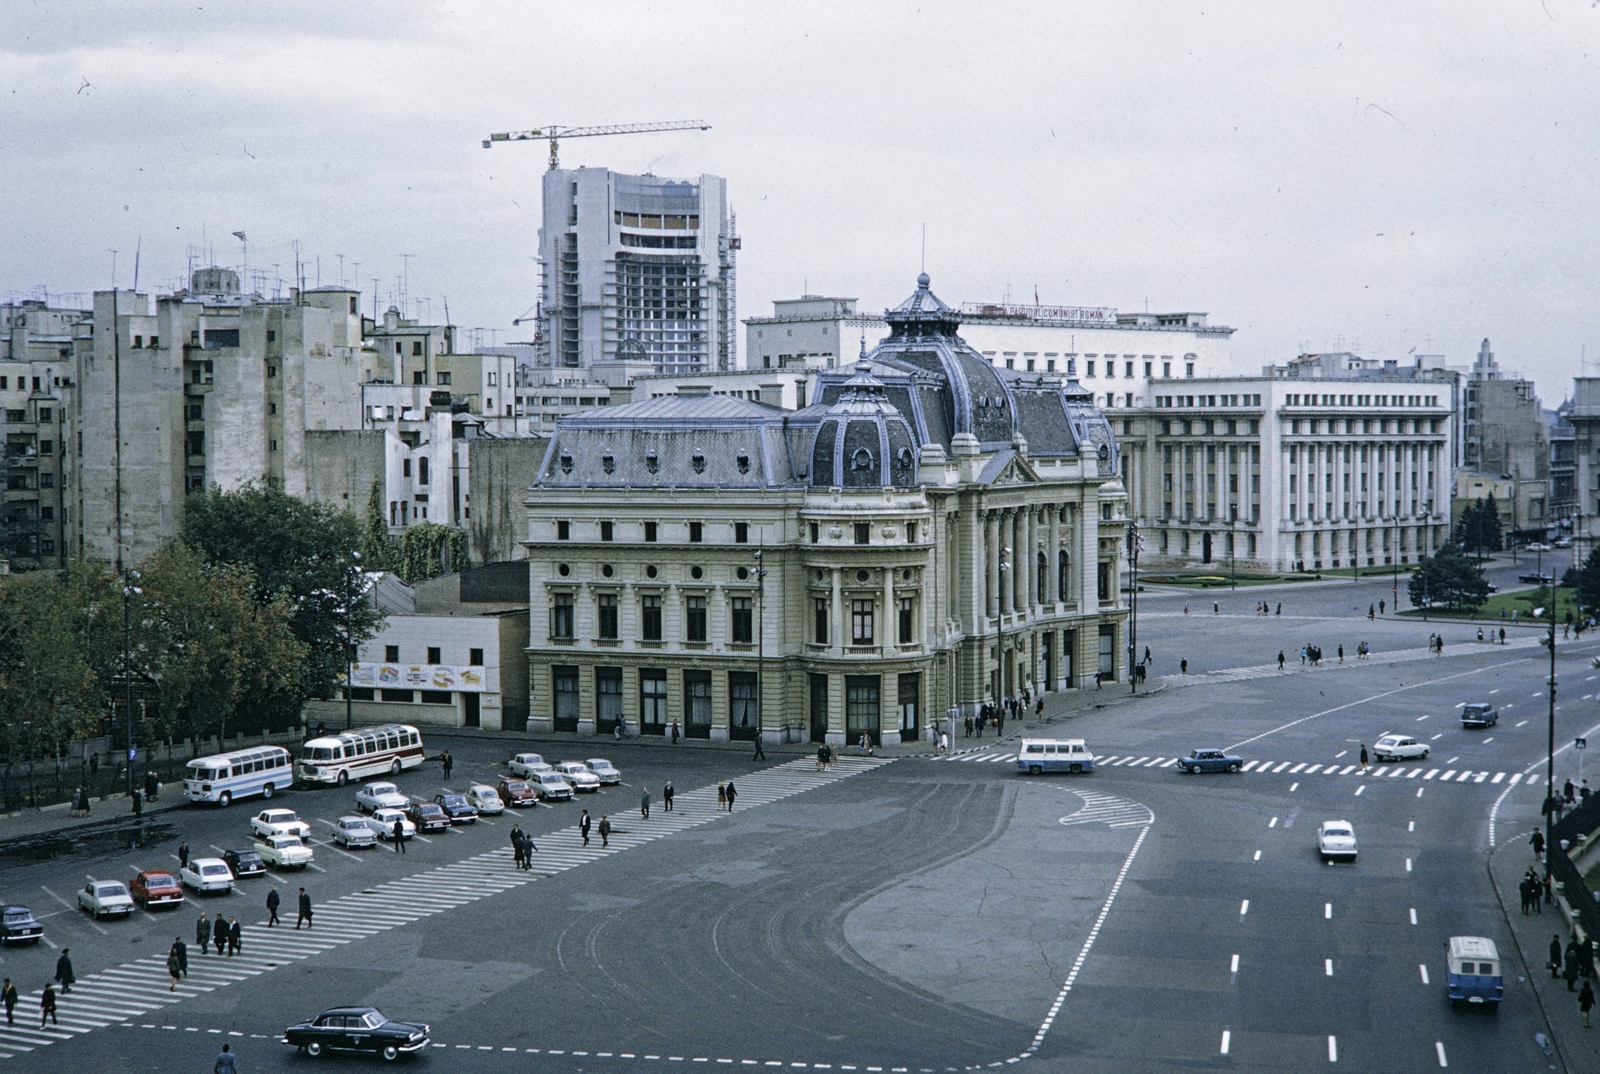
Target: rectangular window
{"type": "Point", "coordinates": [816, 533]}
{"type": "Point", "coordinates": [861, 622]}
{"type": "Point", "coordinates": [564, 695]}
{"type": "Point", "coordinates": [819, 708]}
{"type": "Point", "coordinates": [1108, 656]}
{"type": "Point", "coordinates": [741, 533]}
{"type": "Point", "coordinates": [819, 613]}
{"type": "Point", "coordinates": [416, 348]}
{"type": "Point", "coordinates": [863, 533]}
{"type": "Point", "coordinates": [1103, 582]}
{"type": "Point", "coordinates": [907, 623]}
{"type": "Point", "coordinates": [650, 531]}
{"type": "Point", "coordinates": [444, 377]}
{"type": "Point", "coordinates": [563, 530]}
{"type": "Point", "coordinates": [697, 703]}
{"type": "Point", "coordinates": [607, 698]}
{"type": "Point", "coordinates": [742, 700]}
{"type": "Point", "coordinates": [696, 532]}
{"type": "Point", "coordinates": [742, 620]}
{"type": "Point", "coordinates": [861, 693]}
{"type": "Point", "coordinates": [608, 615]}
{"type": "Point", "coordinates": [391, 654]}
{"type": "Point", "coordinates": [422, 470]}
{"type": "Point", "coordinates": [475, 657]}
{"type": "Point", "coordinates": [652, 618]}
{"type": "Point", "coordinates": [696, 607]}
{"type": "Point", "coordinates": [561, 616]}
{"type": "Point", "coordinates": [433, 655]}
{"type": "Point", "coordinates": [652, 697]}
{"type": "Point", "coordinates": [606, 530]}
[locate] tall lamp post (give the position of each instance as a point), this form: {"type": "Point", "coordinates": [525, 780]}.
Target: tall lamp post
{"type": "Point", "coordinates": [350, 570]}
{"type": "Point", "coordinates": [1550, 741]}
{"type": "Point", "coordinates": [1133, 606]}
{"type": "Point", "coordinates": [1000, 627]}
{"type": "Point", "coordinates": [761, 639]}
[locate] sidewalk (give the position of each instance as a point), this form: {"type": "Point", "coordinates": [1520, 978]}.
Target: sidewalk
{"type": "Point", "coordinates": [1576, 1048]}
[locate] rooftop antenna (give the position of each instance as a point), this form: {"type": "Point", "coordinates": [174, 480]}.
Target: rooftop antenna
{"type": "Point", "coordinates": [924, 267]}
{"type": "Point", "coordinates": [113, 270]}
{"type": "Point", "coordinates": [137, 248]}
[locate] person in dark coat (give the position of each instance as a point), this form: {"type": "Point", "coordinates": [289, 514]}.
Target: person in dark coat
{"type": "Point", "coordinates": [583, 827]}
{"type": "Point", "coordinates": [9, 997]}
{"type": "Point", "coordinates": [219, 934]}
{"type": "Point", "coordinates": [1524, 890]}
{"type": "Point", "coordinates": [449, 763]}
{"type": "Point", "coordinates": [138, 804]}
{"type": "Point", "coordinates": [64, 975]}
{"type": "Point", "coordinates": [1537, 842]}
{"type": "Point", "coordinates": [172, 969]}
{"type": "Point", "coordinates": [666, 797]}
{"type": "Point", "coordinates": [47, 1006]}
{"type": "Point", "coordinates": [605, 830]}
{"type": "Point", "coordinates": [1555, 957]}
{"type": "Point", "coordinates": [644, 802]}
{"type": "Point", "coordinates": [183, 854]}
{"type": "Point", "coordinates": [272, 907]}
{"type": "Point", "coordinates": [1363, 753]}
{"type": "Point", "coordinates": [305, 911]}
{"type": "Point", "coordinates": [152, 786]}
{"type": "Point", "coordinates": [1569, 793]}
{"type": "Point", "coordinates": [235, 936]}
{"type": "Point", "coordinates": [1571, 971]}
{"type": "Point", "coordinates": [399, 835]}
{"type": "Point", "coordinates": [224, 1063]}
{"type": "Point", "coordinates": [202, 932]}
{"type": "Point", "coordinates": [731, 793]}
{"type": "Point", "coordinates": [1586, 1002]}
{"type": "Point", "coordinates": [760, 754]}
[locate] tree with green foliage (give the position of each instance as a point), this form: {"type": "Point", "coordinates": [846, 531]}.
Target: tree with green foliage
{"type": "Point", "coordinates": [377, 550]}
{"type": "Point", "coordinates": [305, 553]}
{"type": "Point", "coordinates": [1479, 529]}
{"type": "Point", "coordinates": [428, 550]}
{"type": "Point", "coordinates": [1448, 578]}
{"type": "Point", "coordinates": [1587, 583]}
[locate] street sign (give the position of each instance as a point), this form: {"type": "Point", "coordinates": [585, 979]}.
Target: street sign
{"type": "Point", "coordinates": [133, 753]}
{"type": "Point", "coordinates": [1580, 744]}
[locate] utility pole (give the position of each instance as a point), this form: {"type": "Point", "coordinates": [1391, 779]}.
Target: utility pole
{"type": "Point", "coordinates": [761, 638]}
{"type": "Point", "coordinates": [1550, 742]}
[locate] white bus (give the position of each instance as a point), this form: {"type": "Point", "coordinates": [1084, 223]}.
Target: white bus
{"type": "Point", "coordinates": [227, 776]}
{"type": "Point", "coordinates": [364, 751]}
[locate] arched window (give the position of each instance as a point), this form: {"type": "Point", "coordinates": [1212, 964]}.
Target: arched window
{"type": "Point", "coordinates": [1062, 575]}
{"type": "Point", "coordinates": [1043, 576]}
{"type": "Point", "coordinates": [861, 460]}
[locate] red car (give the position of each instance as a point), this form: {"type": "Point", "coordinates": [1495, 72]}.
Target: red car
{"type": "Point", "coordinates": [155, 888]}
{"type": "Point", "coordinates": [516, 792]}
{"type": "Point", "coordinates": [428, 817]}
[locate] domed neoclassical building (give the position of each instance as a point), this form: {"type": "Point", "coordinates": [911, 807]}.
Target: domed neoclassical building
{"type": "Point", "coordinates": [932, 533]}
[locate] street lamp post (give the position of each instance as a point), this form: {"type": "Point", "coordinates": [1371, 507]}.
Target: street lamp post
{"type": "Point", "coordinates": [1550, 740]}
{"type": "Point", "coordinates": [1133, 605]}
{"type": "Point", "coordinates": [349, 642]}
{"type": "Point", "coordinates": [761, 639]}
{"type": "Point", "coordinates": [1000, 627]}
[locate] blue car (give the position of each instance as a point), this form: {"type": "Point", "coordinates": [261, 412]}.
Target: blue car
{"type": "Point", "coordinates": [1210, 761]}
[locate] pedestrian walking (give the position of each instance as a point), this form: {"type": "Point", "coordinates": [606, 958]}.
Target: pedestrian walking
{"type": "Point", "coordinates": [172, 969]}
{"type": "Point", "coordinates": [732, 792]}
{"type": "Point", "coordinates": [605, 831]}
{"type": "Point", "coordinates": [666, 797]}
{"type": "Point", "coordinates": [760, 754]}
{"type": "Point", "coordinates": [1183, 665]}
{"type": "Point", "coordinates": [1280, 659]}
{"type": "Point", "coordinates": [219, 934]}
{"type": "Point", "coordinates": [202, 932]}
{"type": "Point", "coordinates": [224, 1063]}
{"type": "Point", "coordinates": [183, 955]}
{"type": "Point", "coordinates": [1502, 635]}
{"type": "Point", "coordinates": [675, 735]}
{"type": "Point", "coordinates": [1185, 607]}
{"type": "Point", "coordinates": [183, 854]}
{"type": "Point", "coordinates": [516, 845]}
{"type": "Point", "coordinates": [1216, 608]}
{"type": "Point", "coordinates": [1537, 842]}
{"type": "Point", "coordinates": [1555, 957]}
{"type": "Point", "coordinates": [1341, 654]}
{"type": "Point", "coordinates": [1363, 754]}
{"type": "Point", "coordinates": [399, 835]}
{"type": "Point", "coordinates": [64, 975]}
{"type": "Point", "coordinates": [1371, 611]}
{"type": "Point", "coordinates": [583, 827]}
{"type": "Point", "coordinates": [1525, 890]}
{"type": "Point", "coordinates": [1586, 1002]}
{"type": "Point", "coordinates": [822, 757]}
{"type": "Point", "coordinates": [1569, 793]}
{"type": "Point", "coordinates": [272, 907]}
{"type": "Point", "coordinates": [449, 763]}
{"type": "Point", "coordinates": [1571, 971]}
{"type": "Point", "coordinates": [968, 725]}
{"type": "Point", "coordinates": [138, 804]}
{"type": "Point", "coordinates": [305, 911]}
{"type": "Point", "coordinates": [9, 997]}
{"type": "Point", "coordinates": [235, 936]}
{"type": "Point", "coordinates": [47, 1006]}
{"type": "Point", "coordinates": [944, 744]}
{"type": "Point", "coordinates": [1280, 609]}
{"type": "Point", "coordinates": [722, 796]}
{"type": "Point", "coordinates": [644, 802]}
{"type": "Point", "coordinates": [1380, 607]}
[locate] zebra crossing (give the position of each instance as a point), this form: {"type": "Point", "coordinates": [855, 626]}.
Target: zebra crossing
{"type": "Point", "coordinates": [142, 989]}
{"type": "Point", "coordinates": [1424, 773]}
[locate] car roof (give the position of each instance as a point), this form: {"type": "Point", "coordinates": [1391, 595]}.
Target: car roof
{"type": "Point", "coordinates": [155, 872]}
{"type": "Point", "coordinates": [110, 884]}
{"type": "Point", "coordinates": [1338, 823]}
{"type": "Point", "coordinates": [350, 1010]}
{"type": "Point", "coordinates": [216, 861]}
{"type": "Point", "coordinates": [1473, 947]}
{"type": "Point", "coordinates": [352, 816]}
{"type": "Point", "coordinates": [597, 760]}
{"type": "Point", "coordinates": [13, 907]}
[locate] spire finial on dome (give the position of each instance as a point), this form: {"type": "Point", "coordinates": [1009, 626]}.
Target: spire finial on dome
{"type": "Point", "coordinates": [863, 344]}
{"type": "Point", "coordinates": [923, 281]}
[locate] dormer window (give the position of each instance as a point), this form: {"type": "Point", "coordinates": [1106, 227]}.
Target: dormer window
{"type": "Point", "coordinates": [608, 463]}
{"type": "Point", "coordinates": [744, 464]}
{"type": "Point", "coordinates": [566, 464]}
{"type": "Point", "coordinates": [699, 462]}
{"type": "Point", "coordinates": [861, 460]}
{"type": "Point", "coordinates": [652, 462]}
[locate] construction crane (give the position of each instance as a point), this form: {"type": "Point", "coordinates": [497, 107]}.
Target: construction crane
{"type": "Point", "coordinates": [555, 134]}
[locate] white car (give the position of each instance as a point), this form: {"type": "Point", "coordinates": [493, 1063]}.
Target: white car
{"type": "Point", "coordinates": [353, 832]}
{"type": "Point", "coordinates": [382, 821]}
{"type": "Point", "coordinates": [550, 785]}
{"type": "Point", "coordinates": [270, 822]}
{"type": "Point", "coordinates": [207, 874]}
{"type": "Point", "coordinates": [1536, 546]}
{"type": "Point", "coordinates": [524, 764]}
{"type": "Point", "coordinates": [577, 773]}
{"type": "Point", "coordinates": [284, 852]}
{"type": "Point", "coordinates": [1336, 839]}
{"type": "Point", "coordinates": [485, 799]}
{"type": "Point", "coordinates": [1399, 748]}
{"type": "Point", "coordinates": [109, 897]}
{"type": "Point", "coordinates": [375, 796]}
{"type": "Point", "coordinates": [604, 770]}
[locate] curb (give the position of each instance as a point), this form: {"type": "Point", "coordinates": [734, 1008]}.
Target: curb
{"type": "Point", "coordinates": [1522, 955]}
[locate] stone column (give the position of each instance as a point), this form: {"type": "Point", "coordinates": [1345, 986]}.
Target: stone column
{"type": "Point", "coordinates": [1005, 578]}
{"type": "Point", "coordinates": [1032, 530]}
{"type": "Point", "coordinates": [837, 614]}
{"type": "Point", "coordinates": [1019, 566]}
{"type": "Point", "coordinates": [891, 614]}
{"type": "Point", "coordinates": [1052, 556]}
{"type": "Point", "coordinates": [1088, 558]}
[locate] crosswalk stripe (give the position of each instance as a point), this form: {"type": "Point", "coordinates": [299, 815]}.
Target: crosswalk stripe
{"type": "Point", "coordinates": [1516, 777]}
{"type": "Point", "coordinates": [1312, 769]}
{"type": "Point", "coordinates": [1248, 765]}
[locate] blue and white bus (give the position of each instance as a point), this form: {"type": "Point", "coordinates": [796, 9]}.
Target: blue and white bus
{"type": "Point", "coordinates": [263, 770]}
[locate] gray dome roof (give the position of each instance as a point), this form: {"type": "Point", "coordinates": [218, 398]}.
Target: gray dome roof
{"type": "Point", "coordinates": [863, 441]}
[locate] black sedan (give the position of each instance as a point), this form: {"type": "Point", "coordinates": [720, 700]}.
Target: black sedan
{"type": "Point", "coordinates": [457, 808]}
{"type": "Point", "coordinates": [1210, 761]}
{"type": "Point", "coordinates": [18, 925]}
{"type": "Point", "coordinates": [428, 817]}
{"type": "Point", "coordinates": [244, 863]}
{"type": "Point", "coordinates": [357, 1029]}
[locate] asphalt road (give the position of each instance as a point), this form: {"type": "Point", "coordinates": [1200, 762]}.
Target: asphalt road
{"type": "Point", "coordinates": [923, 914]}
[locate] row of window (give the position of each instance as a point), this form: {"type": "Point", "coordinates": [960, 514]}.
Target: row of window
{"type": "Point", "coordinates": [22, 382]}
{"type": "Point", "coordinates": [1207, 427]}
{"type": "Point", "coordinates": [391, 655]}
{"type": "Point", "coordinates": [1189, 515]}
{"type": "Point", "coordinates": [861, 532]}
{"type": "Point", "coordinates": [1183, 544]}
{"type": "Point", "coordinates": [1331, 452]}
{"type": "Point", "coordinates": [1360, 511]}
{"type": "Point", "coordinates": [1170, 401]}
{"type": "Point", "coordinates": [1348, 426]}
{"type": "Point", "coordinates": [741, 619]}
{"type": "Point", "coordinates": [1335, 399]}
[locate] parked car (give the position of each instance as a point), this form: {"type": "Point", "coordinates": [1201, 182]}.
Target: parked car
{"type": "Point", "coordinates": [381, 796]}
{"type": "Point", "coordinates": [285, 852]}
{"type": "Point", "coordinates": [279, 822]}
{"type": "Point", "coordinates": [209, 874]}
{"type": "Point", "coordinates": [523, 764]}
{"type": "Point", "coordinates": [382, 821]}
{"type": "Point", "coordinates": [549, 786]}
{"type": "Point", "coordinates": [354, 832]}
{"type": "Point", "coordinates": [1536, 546]}
{"type": "Point", "coordinates": [156, 887]}
{"type": "Point", "coordinates": [1399, 748]}
{"type": "Point", "coordinates": [108, 897]}
{"type": "Point", "coordinates": [485, 799]}
{"type": "Point", "coordinates": [456, 807]}
{"type": "Point", "coordinates": [357, 1029]}
{"type": "Point", "coordinates": [579, 776]}
{"type": "Point", "coordinates": [1336, 839]}
{"type": "Point", "coordinates": [604, 769]}
{"type": "Point", "coordinates": [428, 817]}
{"type": "Point", "coordinates": [1479, 714]}
{"type": "Point", "coordinates": [1533, 579]}
{"type": "Point", "coordinates": [517, 792]}
{"type": "Point", "coordinates": [244, 862]}
{"type": "Point", "coordinates": [1210, 761]}
{"type": "Point", "coordinates": [18, 925]}
{"type": "Point", "coordinates": [1562, 542]}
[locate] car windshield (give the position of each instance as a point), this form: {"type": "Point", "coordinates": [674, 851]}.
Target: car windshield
{"type": "Point", "coordinates": [106, 891]}
{"type": "Point", "coordinates": [518, 785]}
{"type": "Point", "coordinates": [213, 870]}
{"type": "Point", "coordinates": [452, 800]}
{"type": "Point", "coordinates": [160, 880]}
{"type": "Point", "coordinates": [1340, 831]}
{"type": "Point", "coordinates": [17, 917]}
{"type": "Point", "coordinates": [429, 809]}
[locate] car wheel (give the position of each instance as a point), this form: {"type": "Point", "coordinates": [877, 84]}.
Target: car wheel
{"type": "Point", "coordinates": [394, 769]}
{"type": "Point", "coordinates": [390, 1052]}
{"type": "Point", "coordinates": [268, 790]}
{"type": "Point", "coordinates": [225, 799]}
{"type": "Point", "coordinates": [1424, 755]}
{"type": "Point", "coordinates": [1234, 767]}
{"type": "Point", "coordinates": [314, 1049]}
{"type": "Point", "coordinates": [344, 778]}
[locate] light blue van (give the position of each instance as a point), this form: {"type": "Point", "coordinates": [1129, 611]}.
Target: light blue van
{"type": "Point", "coordinates": [1473, 973]}
{"type": "Point", "coordinates": [1036, 756]}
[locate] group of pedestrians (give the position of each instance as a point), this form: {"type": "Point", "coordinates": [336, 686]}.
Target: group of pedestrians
{"type": "Point", "coordinates": [523, 847]}
{"type": "Point", "coordinates": [1263, 608]}
{"type": "Point", "coordinates": [9, 998]}
{"type": "Point", "coordinates": [1491, 635]}
{"type": "Point", "coordinates": [1436, 644]}
{"type": "Point", "coordinates": [725, 795]}
{"type": "Point", "coordinates": [227, 935]}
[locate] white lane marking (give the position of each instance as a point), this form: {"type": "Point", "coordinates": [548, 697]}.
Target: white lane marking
{"type": "Point", "coordinates": [1439, 1046]}
{"type": "Point", "coordinates": [1248, 765]}
{"type": "Point", "coordinates": [1312, 769]}
{"type": "Point", "coordinates": [1333, 1049]}
{"type": "Point", "coordinates": [1523, 723]}
{"type": "Point", "coordinates": [1244, 907]}
{"type": "Point", "coordinates": [1340, 754]}
{"type": "Point", "coordinates": [1361, 788]}
{"type": "Point", "coordinates": [1281, 766]}
{"type": "Point", "coordinates": [1293, 787]}
{"type": "Point", "coordinates": [1225, 1039]}
{"type": "Point", "coordinates": [1327, 911]}
{"type": "Point", "coordinates": [1258, 856]}
{"type": "Point", "coordinates": [1273, 823]}
{"type": "Point", "coordinates": [1327, 967]}
{"type": "Point", "coordinates": [1420, 790]}
{"type": "Point", "coordinates": [1413, 915]}
{"type": "Point", "coordinates": [1296, 769]}
{"type": "Point", "coordinates": [1424, 970]}
{"type": "Point", "coordinates": [1234, 968]}
{"type": "Point", "coordinates": [1411, 826]}
{"type": "Point", "coordinates": [1408, 865]}
{"type": "Point", "coordinates": [1498, 776]}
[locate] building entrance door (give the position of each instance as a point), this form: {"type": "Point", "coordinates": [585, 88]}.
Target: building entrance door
{"type": "Point", "coordinates": [1205, 548]}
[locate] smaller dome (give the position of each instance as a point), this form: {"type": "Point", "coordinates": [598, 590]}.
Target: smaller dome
{"type": "Point", "coordinates": [863, 441]}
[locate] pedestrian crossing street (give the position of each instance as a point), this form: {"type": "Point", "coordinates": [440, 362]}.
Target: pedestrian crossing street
{"type": "Point", "coordinates": [140, 988]}
{"type": "Point", "coordinates": [1423, 773]}
{"type": "Point", "coordinates": [1293, 665]}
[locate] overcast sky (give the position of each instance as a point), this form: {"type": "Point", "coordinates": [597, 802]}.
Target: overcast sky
{"type": "Point", "coordinates": [1388, 176]}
